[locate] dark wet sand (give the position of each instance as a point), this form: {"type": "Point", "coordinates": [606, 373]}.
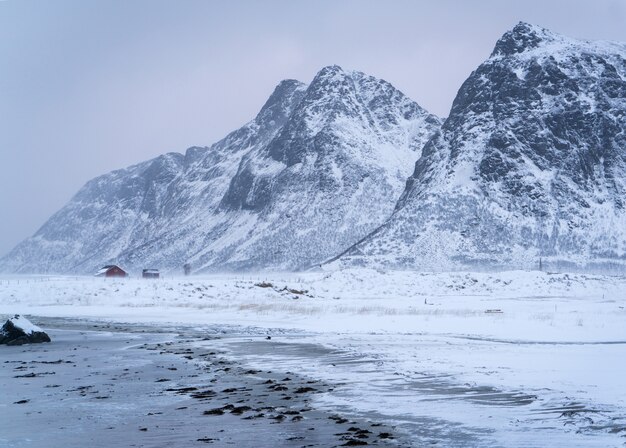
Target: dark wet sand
{"type": "Point", "coordinates": [101, 385]}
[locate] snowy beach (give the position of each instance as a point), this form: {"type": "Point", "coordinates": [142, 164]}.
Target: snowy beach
{"type": "Point", "coordinates": [313, 224]}
{"type": "Point", "coordinates": [122, 386]}
{"type": "Point", "coordinates": [455, 359]}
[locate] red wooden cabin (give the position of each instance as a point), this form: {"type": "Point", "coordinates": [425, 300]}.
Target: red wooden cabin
{"type": "Point", "coordinates": [111, 271]}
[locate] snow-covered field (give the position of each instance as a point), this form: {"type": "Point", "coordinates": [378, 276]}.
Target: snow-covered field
{"type": "Point", "coordinates": [465, 359]}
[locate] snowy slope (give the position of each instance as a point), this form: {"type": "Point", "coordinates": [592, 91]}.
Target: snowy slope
{"type": "Point", "coordinates": [119, 216]}
{"type": "Point", "coordinates": [329, 177]}
{"type": "Point", "coordinates": [530, 164]}
{"type": "Point", "coordinates": [319, 167]}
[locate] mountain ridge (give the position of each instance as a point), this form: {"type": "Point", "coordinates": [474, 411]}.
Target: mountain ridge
{"type": "Point", "coordinates": [528, 169]}
{"type": "Point", "coordinates": [235, 204]}
{"type": "Point", "coordinates": [528, 165]}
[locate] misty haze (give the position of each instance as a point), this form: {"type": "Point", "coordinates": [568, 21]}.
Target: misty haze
{"type": "Point", "coordinates": [291, 224]}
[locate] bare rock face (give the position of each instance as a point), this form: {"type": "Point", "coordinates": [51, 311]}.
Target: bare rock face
{"type": "Point", "coordinates": [530, 165]}
{"type": "Point", "coordinates": [18, 330]}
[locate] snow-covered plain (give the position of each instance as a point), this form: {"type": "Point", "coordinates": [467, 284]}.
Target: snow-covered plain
{"type": "Point", "coordinates": [465, 359]}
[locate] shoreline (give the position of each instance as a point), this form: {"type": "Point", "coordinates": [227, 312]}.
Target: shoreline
{"type": "Point", "coordinates": [133, 385]}
{"type": "Point", "coordinates": [421, 353]}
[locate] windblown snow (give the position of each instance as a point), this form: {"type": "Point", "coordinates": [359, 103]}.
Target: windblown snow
{"type": "Point", "coordinates": [463, 359]}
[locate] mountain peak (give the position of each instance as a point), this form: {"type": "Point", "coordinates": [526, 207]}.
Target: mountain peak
{"type": "Point", "coordinates": [282, 96]}
{"type": "Point", "coordinates": [330, 75]}
{"type": "Point", "coordinates": [330, 71]}
{"type": "Point", "coordinates": [525, 166]}
{"type": "Point", "coordinates": [524, 36]}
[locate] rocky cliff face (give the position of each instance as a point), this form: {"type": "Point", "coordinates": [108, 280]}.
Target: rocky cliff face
{"type": "Point", "coordinates": [319, 167]}
{"type": "Point", "coordinates": [122, 216]}
{"type": "Point", "coordinates": [329, 175]}
{"type": "Point", "coordinates": [530, 164]}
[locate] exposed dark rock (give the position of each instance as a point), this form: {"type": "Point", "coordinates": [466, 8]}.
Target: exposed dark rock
{"type": "Point", "coordinates": [240, 410]}
{"type": "Point", "coordinates": [304, 390]}
{"type": "Point", "coordinates": [18, 330]}
{"type": "Point", "coordinates": [528, 165]}
{"type": "Point", "coordinates": [355, 442]}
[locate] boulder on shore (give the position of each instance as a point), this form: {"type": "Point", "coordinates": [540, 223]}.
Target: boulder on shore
{"type": "Point", "coordinates": [18, 330]}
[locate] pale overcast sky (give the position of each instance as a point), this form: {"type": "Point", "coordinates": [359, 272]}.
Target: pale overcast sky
{"type": "Point", "coordinates": [91, 86]}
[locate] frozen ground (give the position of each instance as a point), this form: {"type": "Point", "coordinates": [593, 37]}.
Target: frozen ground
{"type": "Point", "coordinates": [515, 359]}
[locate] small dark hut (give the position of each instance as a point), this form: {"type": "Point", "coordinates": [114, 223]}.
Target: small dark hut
{"type": "Point", "coordinates": [111, 270]}
{"type": "Point", "coordinates": [150, 273]}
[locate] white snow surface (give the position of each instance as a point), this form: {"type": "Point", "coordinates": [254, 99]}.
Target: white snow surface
{"type": "Point", "coordinates": [25, 325]}
{"type": "Point", "coordinates": [517, 358]}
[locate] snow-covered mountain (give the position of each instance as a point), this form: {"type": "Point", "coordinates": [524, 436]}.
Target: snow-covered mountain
{"type": "Point", "coordinates": [530, 164]}
{"type": "Point", "coordinates": [319, 168]}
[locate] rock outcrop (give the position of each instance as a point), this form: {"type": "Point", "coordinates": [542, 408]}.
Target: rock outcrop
{"type": "Point", "coordinates": [18, 330]}
{"type": "Point", "coordinates": [529, 167]}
